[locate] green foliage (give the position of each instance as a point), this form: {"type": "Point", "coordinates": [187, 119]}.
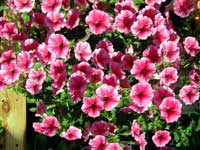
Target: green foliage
{"type": "Point", "coordinates": [1, 129]}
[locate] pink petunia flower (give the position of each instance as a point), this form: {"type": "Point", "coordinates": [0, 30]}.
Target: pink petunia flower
{"type": "Point", "coordinates": [77, 85]}
{"type": "Point", "coordinates": [24, 61]}
{"type": "Point", "coordinates": [168, 76]}
{"type": "Point", "coordinates": [170, 109]}
{"type": "Point", "coordinates": [98, 143]}
{"type": "Point", "coordinates": [83, 51]}
{"type": "Point", "coordinates": [189, 94]}
{"type": "Point", "coordinates": [52, 6]}
{"type": "Point", "coordinates": [58, 45]}
{"type": "Point", "coordinates": [142, 94]}
{"type": "Point", "coordinates": [152, 53]}
{"type": "Point", "coordinates": [170, 51]}
{"type": "Point", "coordinates": [45, 55]}
{"type": "Point", "coordinates": [57, 70]}
{"type": "Point", "coordinates": [162, 93]}
{"type": "Point", "coordinates": [7, 57]}
{"type": "Point", "coordinates": [99, 128]}
{"type": "Point", "coordinates": [30, 45]}
{"type": "Point", "coordinates": [72, 133]}
{"type": "Point", "coordinates": [133, 106]}
{"type": "Point", "coordinates": [24, 5]}
{"type": "Point", "coordinates": [109, 96]}
{"type": "Point", "coordinates": [33, 86]}
{"type": "Point", "coordinates": [106, 45]}
{"type": "Point", "coordinates": [11, 4]}
{"type": "Point", "coordinates": [92, 106]}
{"type": "Point", "coordinates": [115, 68]}
{"type": "Point", "coordinates": [81, 2]}
{"type": "Point", "coordinates": [125, 5]}
{"type": "Point", "coordinates": [191, 46]}
{"type": "Point", "coordinates": [161, 138]}
{"type": "Point", "coordinates": [41, 108]}
{"type": "Point", "coordinates": [127, 62]}
{"type": "Point", "coordinates": [9, 30]}
{"type": "Point", "coordinates": [114, 146]}
{"type": "Point", "coordinates": [143, 69]}
{"type": "Point", "coordinates": [72, 19]}
{"type": "Point", "coordinates": [98, 21]}
{"type": "Point", "coordinates": [142, 28]}
{"type": "Point", "coordinates": [135, 129]}
{"type": "Point", "coordinates": [153, 2]}
{"type": "Point", "coordinates": [83, 67]}
{"type": "Point", "coordinates": [3, 82]}
{"type": "Point", "coordinates": [194, 77]}
{"type": "Point", "coordinates": [183, 8]}
{"type": "Point", "coordinates": [111, 79]}
{"type": "Point", "coordinates": [96, 76]}
{"type": "Point", "coordinates": [37, 75]}
{"type": "Point", "coordinates": [149, 12]}
{"type": "Point", "coordinates": [123, 21]}
{"type": "Point", "coordinates": [160, 34]}
{"type": "Point", "coordinates": [142, 141]}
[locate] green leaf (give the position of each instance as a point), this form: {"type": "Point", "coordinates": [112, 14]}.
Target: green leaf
{"type": "Point", "coordinates": [26, 17]}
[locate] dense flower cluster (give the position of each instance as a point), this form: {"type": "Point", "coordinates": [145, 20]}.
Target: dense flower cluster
{"type": "Point", "coordinates": [67, 63]}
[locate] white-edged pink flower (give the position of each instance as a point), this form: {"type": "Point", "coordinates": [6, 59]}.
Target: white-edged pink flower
{"type": "Point", "coordinates": [135, 129]}
{"type": "Point", "coordinates": [24, 61]}
{"type": "Point", "coordinates": [189, 94]}
{"type": "Point", "coordinates": [45, 55]}
{"type": "Point", "coordinates": [143, 69]}
{"type": "Point", "coordinates": [109, 96]}
{"type": "Point", "coordinates": [55, 21]}
{"type": "Point", "coordinates": [83, 51]}
{"type": "Point", "coordinates": [170, 109]}
{"type": "Point", "coordinates": [7, 57]}
{"type": "Point", "coordinates": [126, 5]}
{"type": "Point", "coordinates": [161, 138]}
{"type": "Point", "coordinates": [58, 45]}
{"type": "Point", "coordinates": [3, 82]}
{"type": "Point", "coordinates": [57, 70]}
{"type": "Point", "coordinates": [153, 2]}
{"type": "Point", "coordinates": [72, 19]}
{"type": "Point", "coordinates": [98, 143]}
{"type": "Point", "coordinates": [111, 79]}
{"type": "Point", "coordinates": [72, 133]}
{"type": "Point", "coordinates": [52, 6]}
{"type": "Point", "coordinates": [114, 146]}
{"type": "Point", "coordinates": [83, 67]}
{"type": "Point", "coordinates": [37, 75]}
{"type": "Point", "coordinates": [92, 106]}
{"type": "Point", "coordinates": [33, 86]}
{"type": "Point", "coordinates": [9, 30]}
{"type": "Point", "coordinates": [152, 53]}
{"type": "Point", "coordinates": [124, 20]}
{"type": "Point", "coordinates": [160, 34]}
{"type": "Point", "coordinates": [98, 21]}
{"type": "Point", "coordinates": [191, 46]}
{"type": "Point", "coordinates": [142, 28]}
{"type": "Point", "coordinates": [168, 76]}
{"type": "Point", "coordinates": [107, 45]}
{"type": "Point", "coordinates": [96, 75]}
{"type": "Point", "coordinates": [24, 5]}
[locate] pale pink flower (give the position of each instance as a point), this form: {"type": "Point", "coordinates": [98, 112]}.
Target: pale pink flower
{"type": "Point", "coordinates": [142, 141]}
{"type": "Point", "coordinates": [81, 2]}
{"type": "Point", "coordinates": [52, 6]}
{"type": "Point", "coordinates": [170, 109]}
{"type": "Point", "coordinates": [92, 106]}
{"type": "Point", "coordinates": [189, 94]}
{"type": "Point", "coordinates": [191, 46]}
{"type": "Point", "coordinates": [141, 94]}
{"type": "Point", "coordinates": [72, 19]}
{"type": "Point", "coordinates": [135, 129]}
{"type": "Point", "coordinates": [77, 85]}
{"type": "Point", "coordinates": [9, 30]}
{"type": "Point", "coordinates": [11, 4]}
{"type": "Point", "coordinates": [33, 86]}
{"type": "Point", "coordinates": [170, 51]}
{"type": "Point", "coordinates": [159, 19]}
{"type": "Point", "coordinates": [24, 61]}
{"type": "Point", "coordinates": [161, 138]}
{"type": "Point", "coordinates": [142, 28]}
{"type": "Point", "coordinates": [58, 45]}
{"type": "Point", "coordinates": [100, 128]}
{"type": "Point", "coordinates": [160, 34]}
{"type": "Point", "coordinates": [83, 51]}
{"type": "Point", "coordinates": [37, 75]}
{"type": "Point", "coordinates": [125, 5]}
{"type": "Point", "coordinates": [183, 8]}
{"type": "Point", "coordinates": [72, 133]}
{"type": "Point", "coordinates": [7, 57]}
{"type": "Point", "coordinates": [24, 5]}
{"type": "Point", "coordinates": [44, 54]}
{"type": "Point", "coordinates": [152, 53]}
{"type": "Point", "coordinates": [153, 2]}
{"type": "Point", "coordinates": [109, 96]}
{"type": "Point", "coordinates": [114, 146]}
{"type": "Point", "coordinates": [38, 128]}
{"type": "Point", "coordinates": [124, 20]}
{"type": "Point", "coordinates": [98, 143]}
{"type": "Point", "coordinates": [98, 21]}
{"type": "Point", "coordinates": [143, 69]}
{"type": "Point", "coordinates": [168, 75]}
{"type": "Point", "coordinates": [55, 21]}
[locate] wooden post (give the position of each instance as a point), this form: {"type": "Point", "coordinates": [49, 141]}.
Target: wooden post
{"type": "Point", "coordinates": [13, 114]}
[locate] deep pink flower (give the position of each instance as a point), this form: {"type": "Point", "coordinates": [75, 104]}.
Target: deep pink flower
{"type": "Point", "coordinates": [194, 77]}
{"type": "Point", "coordinates": [183, 8]}
{"type": "Point", "coordinates": [153, 2]}
{"type": "Point", "coordinates": [92, 106]}
{"type": "Point", "coordinates": [127, 62]}
{"type": "Point", "coordinates": [9, 30]}
{"type": "Point", "coordinates": [152, 53]}
{"type": "Point", "coordinates": [170, 109]}
{"type": "Point", "coordinates": [143, 69]}
{"type": "Point", "coordinates": [99, 128]}
{"type": "Point", "coordinates": [98, 21]}
{"type": "Point", "coordinates": [41, 108]}
{"type": "Point", "coordinates": [98, 143]}
{"type": "Point", "coordinates": [55, 21]}
{"type": "Point", "coordinates": [135, 129]}
{"type": "Point", "coordinates": [72, 19]}
{"type": "Point", "coordinates": [24, 61]}
{"type": "Point", "coordinates": [114, 146]}
{"type": "Point", "coordinates": [168, 75]}
{"type": "Point", "coordinates": [83, 51]}
{"type": "Point", "coordinates": [162, 93]}
{"type": "Point", "coordinates": [161, 138]}
{"type": "Point", "coordinates": [66, 3]}
{"type": "Point", "coordinates": [30, 45]}
{"type": "Point", "coordinates": [39, 18]}
{"type": "Point", "coordinates": [124, 21]}
{"type": "Point", "coordinates": [24, 5]}
{"type": "Point", "coordinates": [191, 45]}
{"type": "Point", "coordinates": [100, 58]}
{"type": "Point", "coordinates": [149, 12]}
{"type": "Point", "coordinates": [57, 69]}
{"type": "Point", "coordinates": [3, 82]}
{"type": "Point", "coordinates": [124, 83]}
{"type": "Point", "coordinates": [96, 75]}
{"type": "Point", "coordinates": [81, 2]}
{"type": "Point", "coordinates": [189, 94]}
{"type": "Point", "coordinates": [72, 133]}
{"type": "Point", "coordinates": [109, 96]}
{"type": "Point", "coordinates": [58, 84]}
{"type": "Point", "coordinates": [116, 69]}
{"type": "Point", "coordinates": [2, 22]}
{"type": "Point", "coordinates": [83, 67]}
{"type": "Point", "coordinates": [142, 28]}
{"type": "Point", "coordinates": [37, 75]}
{"type": "Point", "coordinates": [50, 125]}
{"type": "Point", "coordinates": [160, 34]}
{"type": "Point", "coordinates": [33, 86]}
{"type": "Point", "coordinates": [170, 51]}
{"type": "Point", "coordinates": [58, 45]}
{"type": "Point", "coordinates": [7, 57]}
{"type": "Point", "coordinates": [10, 72]}
{"type": "Point", "coordinates": [111, 79]}
{"type": "Point", "coordinates": [52, 6]}
{"type": "Point", "coordinates": [125, 5]}
{"type": "Point", "coordinates": [107, 45]}
{"type": "Point", "coordinates": [142, 94]}
{"type": "Point", "coordinates": [77, 85]}
{"type": "Point", "coordinates": [45, 55]}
